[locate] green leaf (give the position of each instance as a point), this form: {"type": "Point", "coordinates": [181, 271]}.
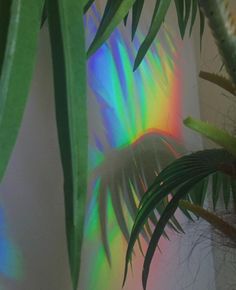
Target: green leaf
{"type": "Point", "coordinates": [193, 15]}
{"type": "Point", "coordinates": [87, 5]}
{"type": "Point", "coordinates": [199, 164]}
{"type": "Point", "coordinates": [169, 211]}
{"type": "Point", "coordinates": [114, 13]}
{"type": "Point", "coordinates": [17, 70]}
{"type": "Point", "coordinates": [226, 189]}
{"type": "Point", "coordinates": [69, 68]}
{"type": "Point", "coordinates": [219, 136]}
{"type": "Point", "coordinates": [216, 186]}
{"type": "Point", "coordinates": [218, 80]}
{"type": "Point", "coordinates": [136, 14]}
{"type": "Point", "coordinates": [5, 19]}
{"type": "Point", "coordinates": [202, 26]}
{"type": "Point", "coordinates": [157, 20]}
{"type": "Point", "coordinates": [179, 5]}
{"type": "Point", "coordinates": [198, 193]}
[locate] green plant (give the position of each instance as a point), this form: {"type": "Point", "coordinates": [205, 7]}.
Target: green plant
{"type": "Point", "coordinates": [21, 22]}
{"type": "Point", "coordinates": [180, 178]}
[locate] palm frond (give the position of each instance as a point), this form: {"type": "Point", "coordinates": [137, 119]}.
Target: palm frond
{"type": "Point", "coordinates": [219, 80]}
{"type": "Point", "coordinates": [116, 11]}
{"type": "Point", "coordinates": [177, 179]}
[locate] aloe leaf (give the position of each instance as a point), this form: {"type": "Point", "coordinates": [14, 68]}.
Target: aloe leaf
{"type": "Point", "coordinates": [218, 80]}
{"type": "Point", "coordinates": [69, 69]}
{"type": "Point", "coordinates": [136, 14]}
{"type": "Point", "coordinates": [114, 15]}
{"type": "Point", "coordinates": [17, 70]}
{"type": "Point", "coordinates": [157, 20]}
{"type": "Point", "coordinates": [219, 136]}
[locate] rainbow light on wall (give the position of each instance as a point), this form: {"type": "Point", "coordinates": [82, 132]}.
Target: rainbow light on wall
{"type": "Point", "coordinates": [10, 256]}
{"type": "Point", "coordinates": [124, 107]}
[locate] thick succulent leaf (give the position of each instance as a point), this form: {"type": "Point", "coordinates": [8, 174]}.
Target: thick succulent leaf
{"type": "Point", "coordinates": [157, 20]}
{"type": "Point", "coordinates": [17, 70]}
{"type": "Point", "coordinates": [136, 14]}
{"type": "Point", "coordinates": [115, 12]}
{"type": "Point", "coordinates": [199, 164]}
{"type": "Point", "coordinates": [218, 80]}
{"type": "Point", "coordinates": [69, 68]}
{"type": "Point", "coordinates": [5, 18]}
{"type": "Point", "coordinates": [219, 136]}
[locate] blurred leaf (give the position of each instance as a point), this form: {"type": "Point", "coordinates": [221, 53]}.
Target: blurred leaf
{"type": "Point", "coordinates": [5, 19]}
{"type": "Point", "coordinates": [179, 5]}
{"type": "Point", "coordinates": [17, 70]}
{"type": "Point", "coordinates": [219, 136]}
{"type": "Point", "coordinates": [193, 15]}
{"type": "Point", "coordinates": [69, 68]}
{"type": "Point", "coordinates": [115, 12]}
{"type": "Point", "coordinates": [218, 80]}
{"type": "Point", "coordinates": [136, 14]}
{"type": "Point", "coordinates": [87, 5]}
{"type": "Point", "coordinates": [158, 17]}
{"type": "Point", "coordinates": [226, 189]}
{"type": "Point", "coordinates": [202, 26]}
{"type": "Point", "coordinates": [216, 187]}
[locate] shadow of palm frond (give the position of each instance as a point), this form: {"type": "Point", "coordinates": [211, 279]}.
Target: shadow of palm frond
{"type": "Point", "coordinates": [126, 174]}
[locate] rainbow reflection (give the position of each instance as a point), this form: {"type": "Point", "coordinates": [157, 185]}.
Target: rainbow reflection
{"type": "Point", "coordinates": [135, 119]}
{"type": "Point", "coordinates": [10, 256]}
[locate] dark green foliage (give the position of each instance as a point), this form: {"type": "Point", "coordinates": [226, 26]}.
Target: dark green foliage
{"type": "Point", "coordinates": [180, 178]}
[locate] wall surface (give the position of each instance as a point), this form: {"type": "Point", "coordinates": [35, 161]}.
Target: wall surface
{"type": "Point", "coordinates": [32, 239]}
